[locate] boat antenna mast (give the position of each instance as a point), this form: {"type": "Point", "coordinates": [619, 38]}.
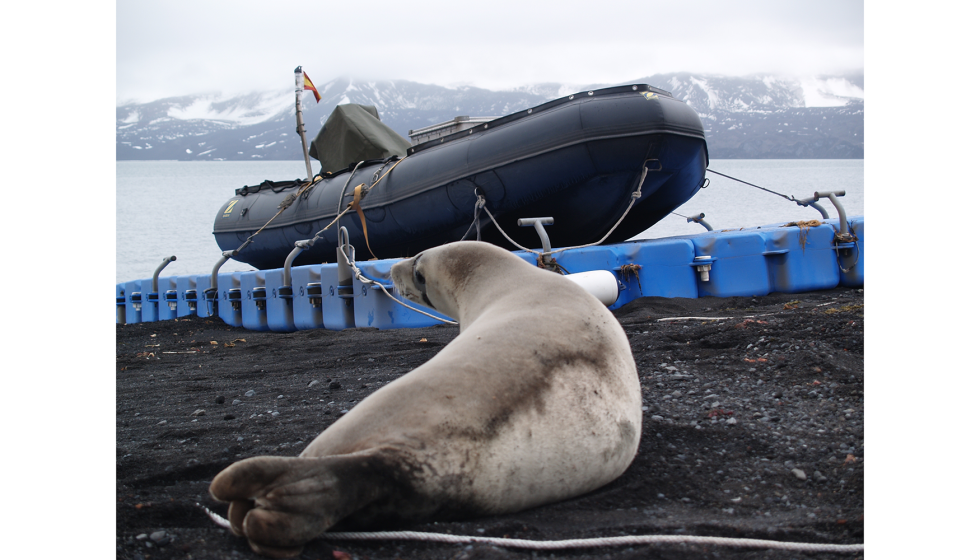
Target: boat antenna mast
{"type": "Point", "coordinates": [300, 128]}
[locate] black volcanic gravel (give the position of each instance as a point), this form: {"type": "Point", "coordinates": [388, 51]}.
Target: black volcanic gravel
{"type": "Point", "coordinates": [753, 427]}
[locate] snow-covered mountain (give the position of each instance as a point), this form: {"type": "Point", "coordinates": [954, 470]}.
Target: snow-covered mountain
{"type": "Point", "coordinates": [755, 116]}
{"type": "Point", "coordinates": [708, 94]}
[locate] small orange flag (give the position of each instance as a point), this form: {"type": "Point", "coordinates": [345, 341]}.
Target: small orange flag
{"type": "Point", "coordinates": [308, 84]}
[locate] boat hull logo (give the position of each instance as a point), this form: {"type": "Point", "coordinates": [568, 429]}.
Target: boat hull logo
{"type": "Point", "coordinates": [230, 206]}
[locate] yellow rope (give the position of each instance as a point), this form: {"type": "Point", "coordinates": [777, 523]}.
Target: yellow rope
{"type": "Point", "coordinates": [356, 205]}
{"type": "Point", "coordinates": [359, 194]}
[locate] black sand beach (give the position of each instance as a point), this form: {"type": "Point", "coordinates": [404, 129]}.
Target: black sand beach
{"type": "Point", "coordinates": [753, 428]}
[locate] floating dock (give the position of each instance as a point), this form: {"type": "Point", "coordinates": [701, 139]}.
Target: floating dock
{"type": "Point", "coordinates": [744, 262]}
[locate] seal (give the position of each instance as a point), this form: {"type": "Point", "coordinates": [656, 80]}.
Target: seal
{"type": "Point", "coordinates": [536, 400]}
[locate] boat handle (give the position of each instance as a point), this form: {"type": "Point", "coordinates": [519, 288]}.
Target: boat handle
{"type": "Point", "coordinates": [539, 224]}
{"type": "Point", "coordinates": [832, 195]}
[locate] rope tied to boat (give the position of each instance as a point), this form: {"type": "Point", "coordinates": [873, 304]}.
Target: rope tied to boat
{"type": "Point", "coordinates": [634, 196]}
{"type": "Point", "coordinates": [283, 205]}
{"type": "Point", "coordinates": [787, 197]}
{"type": "Point", "coordinates": [634, 540]}
{"type": "Point", "coordinates": [355, 204]}
{"type": "Point", "coordinates": [551, 265]}
{"type": "Point", "coordinates": [480, 203]}
{"type": "Point", "coordinates": [359, 193]}
{"type": "Point", "coordinates": [288, 201]}
{"type": "Point", "coordinates": [292, 197]}
{"type": "Point", "coordinates": [846, 237]}
{"type": "Point", "coordinates": [632, 268]}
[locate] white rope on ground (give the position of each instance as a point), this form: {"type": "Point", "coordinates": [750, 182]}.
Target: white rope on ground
{"type": "Point", "coordinates": [694, 319]}
{"type": "Point", "coordinates": [713, 318]}
{"type": "Point", "coordinates": [835, 302]}
{"type": "Point", "coordinates": [218, 520]}
{"type": "Point", "coordinates": [595, 542]}
{"type": "Point", "coordinates": [574, 543]}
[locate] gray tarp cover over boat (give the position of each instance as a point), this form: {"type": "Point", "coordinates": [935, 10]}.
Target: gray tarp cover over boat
{"type": "Point", "coordinates": [355, 133]}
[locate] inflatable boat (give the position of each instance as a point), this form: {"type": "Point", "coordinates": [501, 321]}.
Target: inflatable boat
{"type": "Point", "coordinates": [580, 160]}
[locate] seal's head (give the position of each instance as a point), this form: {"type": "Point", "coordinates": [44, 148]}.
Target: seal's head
{"type": "Point", "coordinates": [409, 279]}
{"type": "Point", "coordinates": [441, 277]}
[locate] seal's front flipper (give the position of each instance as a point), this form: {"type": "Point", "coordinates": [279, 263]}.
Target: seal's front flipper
{"type": "Point", "coordinates": [281, 503]}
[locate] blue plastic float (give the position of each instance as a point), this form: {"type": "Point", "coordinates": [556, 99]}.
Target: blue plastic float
{"type": "Point", "coordinates": [746, 262]}
{"type": "Point", "coordinates": [186, 292]}
{"type": "Point", "coordinates": [229, 298]}
{"type": "Point", "coordinates": [133, 297]}
{"type": "Point", "coordinates": [307, 301]}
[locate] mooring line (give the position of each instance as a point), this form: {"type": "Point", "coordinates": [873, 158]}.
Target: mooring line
{"type": "Point", "coordinates": [634, 196]}
{"type": "Point", "coordinates": [572, 543]}
{"type": "Point", "coordinates": [789, 198]}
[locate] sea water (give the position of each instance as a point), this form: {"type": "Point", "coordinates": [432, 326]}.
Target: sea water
{"type": "Point", "coordinates": [166, 208]}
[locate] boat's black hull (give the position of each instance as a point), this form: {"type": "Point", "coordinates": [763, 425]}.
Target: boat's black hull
{"type": "Point", "coordinates": [576, 159]}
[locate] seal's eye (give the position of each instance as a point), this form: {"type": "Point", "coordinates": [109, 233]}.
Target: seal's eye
{"type": "Point", "coordinates": [419, 279]}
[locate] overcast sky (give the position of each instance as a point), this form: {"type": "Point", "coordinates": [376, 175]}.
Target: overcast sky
{"type": "Point", "coordinates": [182, 47]}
